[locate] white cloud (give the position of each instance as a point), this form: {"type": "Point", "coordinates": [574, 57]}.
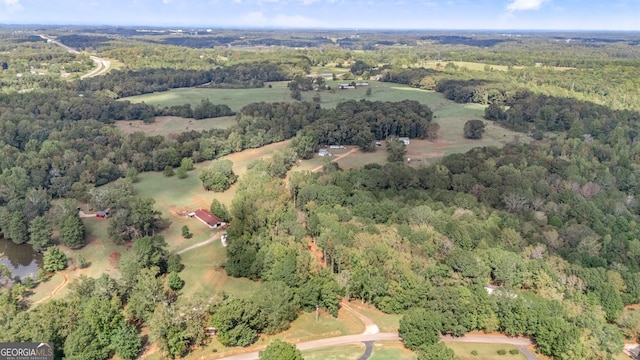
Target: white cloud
{"type": "Point", "coordinates": [12, 5]}
{"type": "Point", "coordinates": [518, 5]}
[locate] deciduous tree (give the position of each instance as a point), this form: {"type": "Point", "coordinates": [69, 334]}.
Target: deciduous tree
{"type": "Point", "coordinates": [280, 350]}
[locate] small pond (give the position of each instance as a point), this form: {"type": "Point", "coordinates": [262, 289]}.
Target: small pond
{"type": "Point", "coordinates": [21, 260]}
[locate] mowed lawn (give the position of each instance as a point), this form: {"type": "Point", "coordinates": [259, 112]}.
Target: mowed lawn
{"type": "Point", "coordinates": [382, 350]}
{"type": "Point", "coordinates": [485, 351]}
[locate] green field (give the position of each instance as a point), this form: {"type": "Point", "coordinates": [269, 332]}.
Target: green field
{"type": "Point", "coordinates": [237, 98]}
{"type": "Point", "coordinates": [234, 98]}
{"type": "Point", "coordinates": [485, 351]}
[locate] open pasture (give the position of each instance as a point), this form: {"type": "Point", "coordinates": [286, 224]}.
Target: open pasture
{"type": "Point", "coordinates": [234, 98]}
{"type": "Point", "coordinates": [173, 125]}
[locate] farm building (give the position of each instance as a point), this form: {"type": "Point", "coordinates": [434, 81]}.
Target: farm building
{"type": "Point", "coordinates": [102, 214]}
{"type": "Point", "coordinates": [208, 218]}
{"type": "Point", "coordinates": [324, 152]}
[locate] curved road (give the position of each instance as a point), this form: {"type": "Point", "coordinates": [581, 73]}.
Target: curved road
{"type": "Point", "coordinates": [520, 342]}
{"type": "Point", "coordinates": [372, 334]}
{"type": "Point", "coordinates": [102, 64]}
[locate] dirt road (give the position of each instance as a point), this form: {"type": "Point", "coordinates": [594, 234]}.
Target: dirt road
{"type": "Point", "coordinates": [65, 281]}
{"type": "Point", "coordinates": [337, 158]}
{"type": "Point", "coordinates": [203, 243]}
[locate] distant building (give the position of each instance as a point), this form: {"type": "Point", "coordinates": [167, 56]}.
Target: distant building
{"type": "Point", "coordinates": [208, 218]}
{"type": "Point", "coordinates": [102, 214]}
{"type": "Point", "coordinates": [324, 152]}
{"type": "Point", "coordinates": [405, 140]}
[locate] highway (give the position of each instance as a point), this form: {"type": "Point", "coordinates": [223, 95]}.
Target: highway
{"type": "Point", "coordinates": [102, 65]}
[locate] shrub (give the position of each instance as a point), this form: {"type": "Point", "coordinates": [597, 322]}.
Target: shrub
{"type": "Point", "coordinates": [54, 259]}
{"type": "Point", "coordinates": [502, 352]}
{"type": "Point", "coordinates": [474, 352]}
{"type": "Point", "coordinates": [514, 351]}
{"type": "Point", "coordinates": [175, 283]}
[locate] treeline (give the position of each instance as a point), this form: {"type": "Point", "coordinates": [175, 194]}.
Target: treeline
{"type": "Point", "coordinates": [540, 113]}
{"type": "Point", "coordinates": [52, 108]}
{"type": "Point", "coordinates": [352, 122]}
{"type": "Point", "coordinates": [135, 82]}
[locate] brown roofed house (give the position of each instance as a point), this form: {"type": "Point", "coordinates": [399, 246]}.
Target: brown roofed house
{"type": "Point", "coordinates": [209, 219]}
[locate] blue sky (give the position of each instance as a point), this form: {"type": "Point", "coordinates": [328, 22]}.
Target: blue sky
{"type": "Point", "coordinates": [352, 14]}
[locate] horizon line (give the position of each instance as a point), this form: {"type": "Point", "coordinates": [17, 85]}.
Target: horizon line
{"type": "Point", "coordinates": [220, 27]}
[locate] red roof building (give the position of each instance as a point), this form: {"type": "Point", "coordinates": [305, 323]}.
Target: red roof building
{"type": "Point", "coordinates": [209, 219]}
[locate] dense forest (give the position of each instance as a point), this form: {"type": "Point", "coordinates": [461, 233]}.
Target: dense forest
{"type": "Point", "coordinates": [551, 227]}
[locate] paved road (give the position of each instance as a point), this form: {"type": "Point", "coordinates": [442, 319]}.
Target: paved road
{"type": "Point", "coordinates": [102, 65]}
{"type": "Point", "coordinates": [368, 349]}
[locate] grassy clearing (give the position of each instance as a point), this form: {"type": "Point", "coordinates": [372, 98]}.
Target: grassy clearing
{"type": "Point", "coordinates": [173, 125]}
{"type": "Point", "coordinates": [203, 273]}
{"type": "Point", "coordinates": [391, 350]}
{"type": "Point", "coordinates": [174, 196]}
{"type": "Point", "coordinates": [234, 98]}
{"type": "Point", "coordinates": [385, 322]}
{"type": "Point", "coordinates": [485, 351]}
{"type": "Point", "coordinates": [100, 252]}
{"type": "Point", "coordinates": [346, 352]}
{"type": "Point", "coordinates": [382, 350]}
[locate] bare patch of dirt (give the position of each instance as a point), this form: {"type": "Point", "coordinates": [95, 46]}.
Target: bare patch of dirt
{"type": "Point", "coordinates": [182, 212]}
{"type": "Point", "coordinates": [114, 257]}
{"type": "Point", "coordinates": [200, 202]}
{"type": "Point", "coordinates": [315, 252]}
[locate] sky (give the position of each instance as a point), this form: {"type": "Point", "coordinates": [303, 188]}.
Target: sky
{"type": "Point", "coordinates": [332, 14]}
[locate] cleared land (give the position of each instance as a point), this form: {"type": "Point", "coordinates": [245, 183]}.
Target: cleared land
{"type": "Point", "coordinates": [173, 125]}
{"type": "Point", "coordinates": [101, 253]}
{"type": "Point", "coordinates": [234, 98]}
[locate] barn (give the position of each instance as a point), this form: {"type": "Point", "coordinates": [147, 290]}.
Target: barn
{"type": "Point", "coordinates": [208, 218]}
